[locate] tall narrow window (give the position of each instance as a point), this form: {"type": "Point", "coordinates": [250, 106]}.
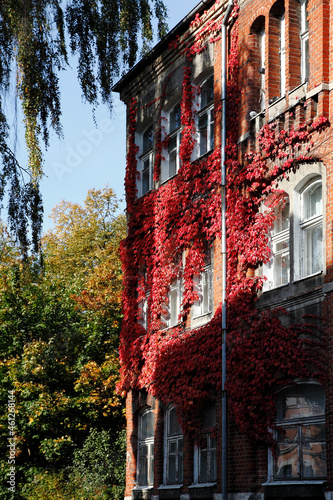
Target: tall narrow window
{"type": "Point", "coordinates": [172, 310]}
{"type": "Point", "coordinates": [203, 287]}
{"type": "Point", "coordinates": [304, 41]}
{"type": "Point", "coordinates": [174, 448]}
{"type": "Point", "coordinates": [147, 160]}
{"type": "Point", "coordinates": [300, 433]}
{"type": "Point", "coordinates": [146, 448]}
{"type": "Point", "coordinates": [144, 296]}
{"type": "Point", "coordinates": [206, 116]}
{"type": "Point", "coordinates": [207, 449]}
{"type": "Point", "coordinates": [174, 140]}
{"type": "Point", "coordinates": [262, 41]}
{"type": "Point", "coordinates": [282, 55]}
{"type": "Point", "coordinates": [311, 225]}
{"type": "Point", "coordinates": [277, 271]}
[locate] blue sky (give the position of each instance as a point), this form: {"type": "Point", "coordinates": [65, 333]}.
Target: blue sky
{"type": "Point", "coordinates": [91, 154]}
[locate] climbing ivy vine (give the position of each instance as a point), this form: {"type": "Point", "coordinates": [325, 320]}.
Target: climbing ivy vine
{"type": "Point", "coordinates": [182, 365]}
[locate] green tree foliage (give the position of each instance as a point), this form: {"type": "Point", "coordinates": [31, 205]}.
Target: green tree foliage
{"type": "Point", "coordinates": [59, 340]}
{"type": "Point", "coordinates": [103, 34]}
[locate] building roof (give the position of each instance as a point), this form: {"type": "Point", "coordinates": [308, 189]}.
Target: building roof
{"type": "Point", "coordinates": [158, 49]}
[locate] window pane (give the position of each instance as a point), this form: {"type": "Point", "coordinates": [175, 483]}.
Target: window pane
{"type": "Point", "coordinates": [147, 425]}
{"type": "Point", "coordinates": [146, 176]}
{"type": "Point", "coordinates": [148, 138]}
{"type": "Point", "coordinates": [175, 118]}
{"type": "Point", "coordinates": [207, 92]}
{"type": "Point", "coordinates": [315, 432]}
{"type": "Point", "coordinates": [203, 124]}
{"type": "Point", "coordinates": [312, 201]}
{"type": "Point", "coordinates": [314, 460]}
{"type": "Point", "coordinates": [172, 468]}
{"type": "Point", "coordinates": [212, 471]}
{"type": "Point", "coordinates": [287, 461]}
{"type": "Point", "coordinates": [180, 468]}
{"type": "Point", "coordinates": [203, 478]}
{"type": "Point", "coordinates": [174, 427]}
{"type": "Point", "coordinates": [209, 416]}
{"type": "Point", "coordinates": [211, 133]}
{"type": "Point", "coordinates": [314, 244]}
{"type": "Point", "coordinates": [301, 401]}
{"type": "Point", "coordinates": [281, 264]}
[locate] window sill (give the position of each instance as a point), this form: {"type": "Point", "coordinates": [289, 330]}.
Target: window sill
{"type": "Point", "coordinates": [201, 320]}
{"type": "Point", "coordinates": [170, 486]}
{"type": "Point", "coordinates": [202, 485]}
{"type": "Point", "coordinates": [294, 482]}
{"type": "Point", "coordinates": [308, 276]}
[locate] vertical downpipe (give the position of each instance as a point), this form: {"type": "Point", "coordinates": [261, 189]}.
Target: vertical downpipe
{"type": "Point", "coordinates": [224, 248]}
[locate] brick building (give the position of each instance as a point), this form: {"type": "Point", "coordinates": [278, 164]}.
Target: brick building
{"type": "Point", "coordinates": [279, 76]}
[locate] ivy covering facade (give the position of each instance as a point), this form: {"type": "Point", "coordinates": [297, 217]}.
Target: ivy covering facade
{"type": "Point", "coordinates": [274, 341]}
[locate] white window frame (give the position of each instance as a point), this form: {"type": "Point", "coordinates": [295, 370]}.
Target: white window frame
{"type": "Point", "coordinates": [170, 135]}
{"type": "Point", "coordinates": [204, 287]}
{"type": "Point", "coordinates": [207, 111]}
{"type": "Point", "coordinates": [145, 157]}
{"type": "Point", "coordinates": [210, 450]}
{"type": "Point", "coordinates": [302, 228]}
{"type": "Point", "coordinates": [173, 308]}
{"type": "Point", "coordinates": [262, 45]}
{"type": "Point", "coordinates": [143, 304]}
{"type": "Point", "coordinates": [297, 184]}
{"type": "Point", "coordinates": [147, 442]}
{"type": "Point", "coordinates": [278, 238]}
{"type": "Point", "coordinates": [174, 440]}
{"type": "Point", "coordinates": [304, 36]}
{"type": "Point", "coordinates": [300, 442]}
{"type": "Point", "coordinates": [282, 55]}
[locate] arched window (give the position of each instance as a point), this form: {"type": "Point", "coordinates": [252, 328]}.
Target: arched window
{"type": "Point", "coordinates": [173, 448]}
{"type": "Point", "coordinates": [258, 60]}
{"type": "Point", "coordinates": [282, 54]}
{"type": "Point", "coordinates": [311, 228]}
{"type": "Point", "coordinates": [300, 433]}
{"type": "Point", "coordinates": [206, 116]}
{"type": "Point", "coordinates": [146, 448]}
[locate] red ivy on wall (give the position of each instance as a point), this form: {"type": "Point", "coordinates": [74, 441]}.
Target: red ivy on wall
{"type": "Point", "coordinates": [184, 366]}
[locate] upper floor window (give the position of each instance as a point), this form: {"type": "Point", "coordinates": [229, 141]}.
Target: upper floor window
{"type": "Point", "coordinates": [304, 34]}
{"type": "Point", "coordinates": [146, 448]}
{"type": "Point", "coordinates": [282, 55]}
{"type": "Point", "coordinates": [146, 160]}
{"type": "Point", "coordinates": [311, 228]}
{"type": "Point", "coordinates": [143, 303]}
{"type": "Point", "coordinates": [262, 48]}
{"type": "Point", "coordinates": [174, 140]}
{"type": "Point", "coordinates": [172, 135]}
{"type": "Point", "coordinates": [299, 219]}
{"type": "Point", "coordinates": [258, 60]}
{"type": "Point", "coordinates": [300, 433]}
{"type": "Point", "coordinates": [206, 116]}
{"type": "Point", "coordinates": [203, 287]}
{"type": "Point", "coordinates": [277, 271]}
{"type": "Point", "coordinates": [173, 306]}
{"type": "Point", "coordinates": [173, 448]}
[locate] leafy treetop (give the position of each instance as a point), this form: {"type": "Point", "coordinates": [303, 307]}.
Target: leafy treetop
{"type": "Point", "coordinates": [103, 34]}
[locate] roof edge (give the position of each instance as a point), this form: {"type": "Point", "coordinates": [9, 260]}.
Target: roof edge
{"type": "Point", "coordinates": [160, 46]}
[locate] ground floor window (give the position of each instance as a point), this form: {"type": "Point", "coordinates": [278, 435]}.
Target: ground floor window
{"type": "Point", "coordinates": [300, 433]}
{"type": "Point", "coordinates": [146, 448]}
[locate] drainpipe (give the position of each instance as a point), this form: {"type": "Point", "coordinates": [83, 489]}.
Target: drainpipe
{"type": "Point", "coordinates": [224, 248]}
